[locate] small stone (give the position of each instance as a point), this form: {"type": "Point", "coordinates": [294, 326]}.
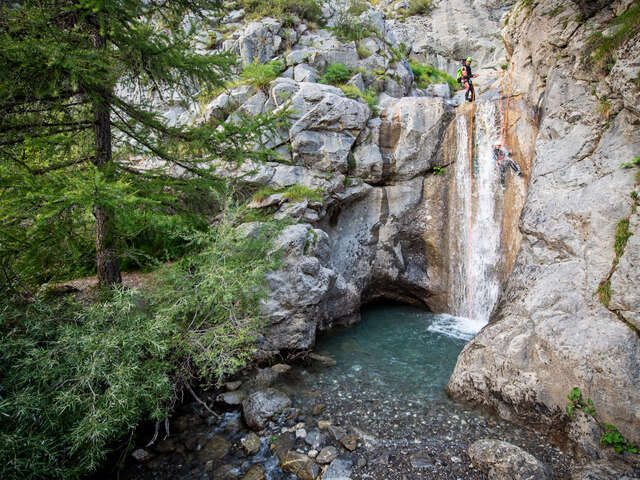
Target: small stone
{"type": "Point", "coordinates": [300, 465]}
{"type": "Point", "coordinates": [350, 442]}
{"type": "Point", "coordinates": [312, 453]}
{"type": "Point", "coordinates": [260, 406]}
{"type": "Point", "coordinates": [301, 433]}
{"type": "Point", "coordinates": [421, 460]}
{"type": "Point", "coordinates": [314, 438]}
{"type": "Point", "coordinates": [165, 446]}
{"type": "Point", "coordinates": [142, 455]}
{"type": "Point", "coordinates": [362, 462]}
{"type": "Point", "coordinates": [328, 361]}
{"type": "Point", "coordinates": [336, 432]}
{"type": "Point", "coordinates": [338, 470]}
{"type": "Point", "coordinates": [251, 443]}
{"type": "Point", "coordinates": [231, 386]}
{"type": "Point", "coordinates": [327, 455]}
{"type": "Point", "coordinates": [281, 368]}
{"type": "Point", "coordinates": [256, 472]}
{"type": "Point", "coordinates": [318, 409]}
{"type": "Point", "coordinates": [323, 424]}
{"type": "Point", "coordinates": [231, 398]}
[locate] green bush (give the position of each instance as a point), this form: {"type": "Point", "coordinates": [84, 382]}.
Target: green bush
{"type": "Point", "coordinates": [76, 379]}
{"type": "Point", "coordinates": [335, 74]}
{"type": "Point", "coordinates": [305, 9]}
{"type": "Point", "coordinates": [419, 7]}
{"type": "Point", "coordinates": [369, 96]}
{"type": "Point", "coordinates": [601, 47]}
{"type": "Point", "coordinates": [261, 75]}
{"type": "Point", "coordinates": [425, 75]}
{"type": "Point", "coordinates": [294, 193]}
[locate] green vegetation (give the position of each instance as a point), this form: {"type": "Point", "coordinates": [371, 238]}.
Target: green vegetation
{"type": "Point", "coordinates": [362, 51]}
{"type": "Point", "coordinates": [357, 7]}
{"type": "Point", "coordinates": [92, 182]}
{"type": "Point", "coordinates": [369, 96]}
{"type": "Point", "coordinates": [610, 437]}
{"type": "Point", "coordinates": [78, 378]}
{"type": "Point", "coordinates": [261, 75]}
{"type": "Point", "coordinates": [604, 292]}
{"type": "Point", "coordinates": [419, 7]}
{"type": "Point", "coordinates": [294, 193]}
{"type": "Point", "coordinates": [281, 9]}
{"type": "Point", "coordinates": [336, 74]}
{"type": "Point", "coordinates": [437, 170]}
{"type": "Point", "coordinates": [622, 235]}
{"type": "Point", "coordinates": [602, 47]}
{"type": "Point", "coordinates": [558, 9]}
{"type": "Point", "coordinates": [425, 75]}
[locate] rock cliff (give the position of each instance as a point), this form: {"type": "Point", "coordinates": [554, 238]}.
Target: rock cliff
{"type": "Point", "coordinates": [556, 327]}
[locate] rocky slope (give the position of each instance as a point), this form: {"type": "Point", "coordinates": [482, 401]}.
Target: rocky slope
{"type": "Point", "coordinates": [552, 330]}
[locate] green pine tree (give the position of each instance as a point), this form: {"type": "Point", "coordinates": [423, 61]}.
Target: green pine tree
{"type": "Point", "coordinates": [71, 128]}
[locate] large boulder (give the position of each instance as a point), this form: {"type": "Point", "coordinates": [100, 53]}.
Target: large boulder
{"type": "Point", "coordinates": [504, 461]}
{"type": "Point", "coordinates": [260, 41]}
{"type": "Point", "coordinates": [260, 406]}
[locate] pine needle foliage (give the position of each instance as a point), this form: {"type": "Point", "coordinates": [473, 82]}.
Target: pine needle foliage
{"type": "Point", "coordinates": [76, 380]}
{"type": "Point", "coordinates": [78, 79]}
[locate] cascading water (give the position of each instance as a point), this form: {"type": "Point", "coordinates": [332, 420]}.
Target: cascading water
{"type": "Point", "coordinates": [475, 227]}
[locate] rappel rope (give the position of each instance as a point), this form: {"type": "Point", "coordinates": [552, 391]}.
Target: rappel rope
{"type": "Point", "coordinates": [470, 259]}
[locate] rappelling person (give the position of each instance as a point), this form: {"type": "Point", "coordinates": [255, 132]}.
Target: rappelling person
{"type": "Point", "coordinates": [503, 158]}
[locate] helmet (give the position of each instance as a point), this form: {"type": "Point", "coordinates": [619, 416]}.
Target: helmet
{"type": "Point", "coordinates": [469, 59]}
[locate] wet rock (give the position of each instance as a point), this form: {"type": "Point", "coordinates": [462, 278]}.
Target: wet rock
{"type": "Point", "coordinates": [283, 444]}
{"type": "Point", "coordinates": [251, 443]}
{"type": "Point", "coordinates": [350, 442]}
{"type": "Point", "coordinates": [259, 407]}
{"type": "Point", "coordinates": [231, 386]}
{"type": "Point", "coordinates": [256, 472]}
{"type": "Point", "coordinates": [300, 465]}
{"type": "Point", "coordinates": [314, 438]}
{"type": "Point", "coordinates": [231, 398]}
{"type": "Point", "coordinates": [336, 432]}
{"type": "Point", "coordinates": [327, 455]}
{"type": "Point", "coordinates": [328, 361]}
{"type": "Point", "coordinates": [339, 469]}
{"type": "Point", "coordinates": [185, 422]}
{"type": "Point", "coordinates": [281, 368]}
{"type": "Point", "coordinates": [215, 449]}
{"type": "Point", "coordinates": [317, 409]}
{"type": "Point", "coordinates": [225, 472]}
{"type": "Point", "coordinates": [323, 424]}
{"type": "Point", "coordinates": [421, 460]}
{"type": "Point", "coordinates": [301, 433]}
{"type": "Point", "coordinates": [141, 455]}
{"type": "Point", "coordinates": [504, 461]}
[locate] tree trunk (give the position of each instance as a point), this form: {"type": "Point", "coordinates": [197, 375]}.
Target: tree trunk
{"type": "Point", "coordinates": [106, 256]}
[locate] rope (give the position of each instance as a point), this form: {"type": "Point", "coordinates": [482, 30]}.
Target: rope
{"type": "Point", "coordinates": [470, 259]}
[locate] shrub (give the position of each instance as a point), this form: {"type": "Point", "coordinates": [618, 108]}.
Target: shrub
{"type": "Point", "coordinates": [76, 379]}
{"type": "Point", "coordinates": [297, 193]}
{"type": "Point", "coordinates": [261, 75]}
{"type": "Point", "coordinates": [351, 91]}
{"type": "Point", "coordinates": [419, 7]}
{"type": "Point", "coordinates": [357, 7]}
{"type": "Point", "coordinates": [335, 74]}
{"type": "Point", "coordinates": [362, 51]}
{"type": "Point", "coordinates": [601, 47]}
{"type": "Point", "coordinates": [425, 75]}
{"type": "Point", "coordinates": [305, 9]}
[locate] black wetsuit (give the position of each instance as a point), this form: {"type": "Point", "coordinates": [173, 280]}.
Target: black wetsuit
{"type": "Point", "coordinates": [469, 95]}
{"type": "Point", "coordinates": [505, 162]}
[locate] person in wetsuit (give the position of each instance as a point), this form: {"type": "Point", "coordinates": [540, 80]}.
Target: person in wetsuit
{"type": "Point", "coordinates": [504, 161]}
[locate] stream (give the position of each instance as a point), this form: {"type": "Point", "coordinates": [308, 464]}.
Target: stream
{"type": "Point", "coordinates": [387, 388]}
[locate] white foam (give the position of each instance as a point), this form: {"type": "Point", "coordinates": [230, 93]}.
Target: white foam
{"type": "Point", "coordinates": [461, 328]}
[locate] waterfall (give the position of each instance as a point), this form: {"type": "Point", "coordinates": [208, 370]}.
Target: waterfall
{"type": "Point", "coordinates": [475, 225]}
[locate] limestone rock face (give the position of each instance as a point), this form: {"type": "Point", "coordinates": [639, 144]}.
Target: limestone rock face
{"type": "Point", "coordinates": [551, 331]}
{"type": "Point", "coordinates": [504, 461]}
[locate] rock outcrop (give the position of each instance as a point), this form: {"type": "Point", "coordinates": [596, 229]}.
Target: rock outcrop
{"type": "Point", "coordinates": [555, 328]}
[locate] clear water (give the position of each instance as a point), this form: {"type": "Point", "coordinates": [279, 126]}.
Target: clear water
{"type": "Point", "coordinates": [395, 348]}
